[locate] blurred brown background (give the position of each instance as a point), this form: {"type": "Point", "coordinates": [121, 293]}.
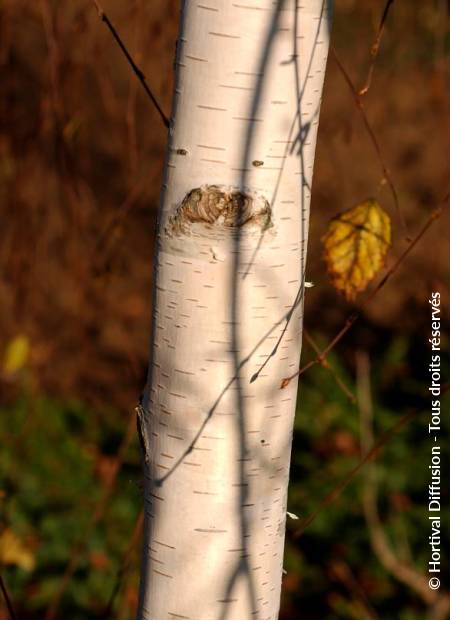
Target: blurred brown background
{"type": "Point", "coordinates": [81, 159]}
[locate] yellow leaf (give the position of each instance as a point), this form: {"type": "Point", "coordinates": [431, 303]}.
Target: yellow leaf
{"type": "Point", "coordinates": [16, 354]}
{"type": "Point", "coordinates": [356, 244]}
{"type": "Point", "coordinates": [14, 552]}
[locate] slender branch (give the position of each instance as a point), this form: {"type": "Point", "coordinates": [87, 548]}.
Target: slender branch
{"type": "Point", "coordinates": [325, 363]}
{"type": "Point", "coordinates": [335, 493]}
{"type": "Point", "coordinates": [141, 77]}
{"type": "Point", "coordinates": [355, 316]}
{"type": "Point", "coordinates": [371, 133]}
{"type": "Point", "coordinates": [403, 571]}
{"type": "Point", "coordinates": [376, 48]}
{"type": "Point", "coordinates": [9, 605]}
{"type": "Point", "coordinates": [441, 607]}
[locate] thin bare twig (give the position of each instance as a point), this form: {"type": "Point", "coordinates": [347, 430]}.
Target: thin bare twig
{"type": "Point", "coordinates": [403, 571]}
{"type": "Point", "coordinates": [372, 136]}
{"type": "Point", "coordinates": [376, 48]}
{"type": "Point", "coordinates": [333, 495]}
{"type": "Point", "coordinates": [130, 116]}
{"type": "Point", "coordinates": [139, 74]}
{"type": "Point", "coordinates": [355, 316]}
{"type": "Point", "coordinates": [8, 602]}
{"type": "Point", "coordinates": [325, 363]}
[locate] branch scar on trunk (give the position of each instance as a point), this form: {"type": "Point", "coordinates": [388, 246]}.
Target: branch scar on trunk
{"type": "Point", "coordinates": [215, 206]}
{"type": "Point", "coordinates": [142, 434]}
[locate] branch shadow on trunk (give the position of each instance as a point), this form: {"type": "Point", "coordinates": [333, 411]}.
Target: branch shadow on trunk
{"type": "Point", "coordinates": [243, 566]}
{"type": "Point", "coordinates": [297, 140]}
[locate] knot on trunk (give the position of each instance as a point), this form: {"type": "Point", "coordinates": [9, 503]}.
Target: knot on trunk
{"type": "Point", "coordinates": [216, 206]}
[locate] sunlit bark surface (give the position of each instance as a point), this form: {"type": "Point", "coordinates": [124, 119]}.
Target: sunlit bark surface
{"type": "Point", "coordinates": [228, 305]}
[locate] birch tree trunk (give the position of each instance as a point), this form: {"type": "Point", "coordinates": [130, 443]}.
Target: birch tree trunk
{"type": "Point", "coordinates": [228, 303]}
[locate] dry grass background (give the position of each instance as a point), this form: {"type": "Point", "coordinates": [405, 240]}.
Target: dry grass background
{"type": "Point", "coordinates": [81, 157]}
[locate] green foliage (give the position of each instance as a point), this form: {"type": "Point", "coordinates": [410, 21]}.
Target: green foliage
{"type": "Point", "coordinates": [326, 447]}
{"type": "Point", "coordinates": [55, 467]}
{"type": "Point", "coordinates": [54, 470]}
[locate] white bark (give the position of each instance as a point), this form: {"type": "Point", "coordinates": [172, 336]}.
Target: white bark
{"type": "Point", "coordinates": [226, 294]}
